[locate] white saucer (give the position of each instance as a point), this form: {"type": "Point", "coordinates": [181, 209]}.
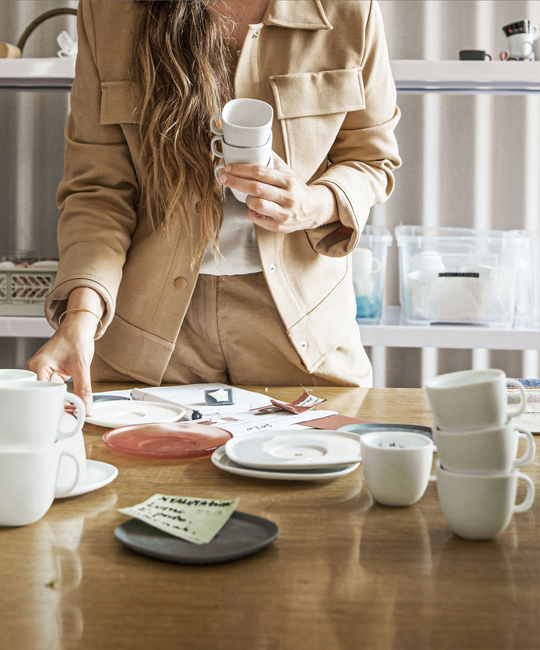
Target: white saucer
{"type": "Point", "coordinates": [98, 475]}
{"type": "Point", "coordinates": [292, 449]}
{"type": "Point", "coordinates": [126, 413]}
{"type": "Point", "coordinates": [222, 461]}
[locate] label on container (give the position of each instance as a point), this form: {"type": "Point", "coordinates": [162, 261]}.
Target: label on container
{"type": "Point", "coordinates": [459, 275]}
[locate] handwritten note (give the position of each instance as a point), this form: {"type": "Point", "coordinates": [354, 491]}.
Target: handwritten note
{"type": "Point", "coordinates": [194, 519]}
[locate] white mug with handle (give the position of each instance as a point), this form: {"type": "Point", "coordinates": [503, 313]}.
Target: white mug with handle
{"type": "Point", "coordinates": [246, 122]}
{"type": "Point", "coordinates": [31, 413]}
{"type": "Point", "coordinates": [254, 155]}
{"type": "Point", "coordinates": [28, 483]}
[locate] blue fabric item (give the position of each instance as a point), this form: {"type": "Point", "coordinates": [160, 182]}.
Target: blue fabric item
{"type": "Point", "coordinates": [529, 383]}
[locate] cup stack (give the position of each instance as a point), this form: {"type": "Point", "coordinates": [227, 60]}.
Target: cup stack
{"type": "Point", "coordinates": [246, 136]}
{"type": "Point", "coordinates": [32, 446]}
{"type": "Point", "coordinates": [477, 446]}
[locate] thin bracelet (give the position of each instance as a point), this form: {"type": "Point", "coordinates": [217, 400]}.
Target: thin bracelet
{"type": "Point", "coordinates": [80, 309]}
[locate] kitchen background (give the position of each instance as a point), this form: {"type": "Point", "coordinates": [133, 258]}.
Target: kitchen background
{"type": "Point", "coordinates": [468, 161]}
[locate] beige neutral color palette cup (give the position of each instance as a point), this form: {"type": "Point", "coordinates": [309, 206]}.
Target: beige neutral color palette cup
{"type": "Point", "coordinates": [486, 451]}
{"type": "Point", "coordinates": [472, 400]}
{"type": "Point", "coordinates": [396, 465]}
{"type": "Point", "coordinates": [480, 506]}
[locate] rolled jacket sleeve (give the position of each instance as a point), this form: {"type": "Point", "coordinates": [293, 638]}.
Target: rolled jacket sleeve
{"type": "Point", "coordinates": [365, 152]}
{"type": "Point", "coordinates": [97, 193]}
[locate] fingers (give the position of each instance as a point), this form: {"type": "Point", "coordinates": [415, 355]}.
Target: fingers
{"type": "Point", "coordinates": [256, 173]}
{"type": "Point", "coordinates": [279, 164]}
{"type": "Point", "coordinates": [82, 386]}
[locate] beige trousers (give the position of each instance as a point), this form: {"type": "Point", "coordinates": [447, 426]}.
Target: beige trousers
{"type": "Point", "coordinates": [233, 334]}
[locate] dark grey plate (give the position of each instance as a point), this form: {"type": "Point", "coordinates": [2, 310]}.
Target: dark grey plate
{"type": "Point", "coordinates": [372, 427]}
{"type": "Point", "coordinates": [242, 535]}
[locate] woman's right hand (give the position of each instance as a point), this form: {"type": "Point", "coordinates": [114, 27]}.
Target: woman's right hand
{"type": "Point", "coordinates": [69, 352]}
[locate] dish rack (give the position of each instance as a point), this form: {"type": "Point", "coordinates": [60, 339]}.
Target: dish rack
{"type": "Point", "coordinates": [23, 290]}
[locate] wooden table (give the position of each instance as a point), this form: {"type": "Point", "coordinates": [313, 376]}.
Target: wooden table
{"type": "Point", "coordinates": [345, 572]}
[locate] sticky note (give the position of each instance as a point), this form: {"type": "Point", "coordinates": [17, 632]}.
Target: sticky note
{"type": "Point", "coordinates": [194, 519]}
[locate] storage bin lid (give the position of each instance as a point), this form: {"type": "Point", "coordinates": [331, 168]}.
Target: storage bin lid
{"type": "Point", "coordinates": [429, 234]}
{"type": "Point", "coordinates": [376, 235]}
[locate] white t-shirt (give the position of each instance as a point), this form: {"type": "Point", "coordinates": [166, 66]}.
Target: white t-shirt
{"type": "Point", "coordinates": [239, 253]}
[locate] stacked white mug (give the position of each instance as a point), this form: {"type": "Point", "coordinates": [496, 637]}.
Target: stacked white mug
{"type": "Point", "coordinates": [246, 136]}
{"type": "Point", "coordinates": [477, 446]}
{"type": "Point", "coordinates": [32, 445]}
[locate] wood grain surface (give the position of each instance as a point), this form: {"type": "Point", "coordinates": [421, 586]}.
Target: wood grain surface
{"type": "Point", "coordinates": [345, 572]}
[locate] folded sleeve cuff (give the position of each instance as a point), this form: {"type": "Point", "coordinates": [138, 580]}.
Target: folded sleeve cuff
{"type": "Point", "coordinates": [341, 237]}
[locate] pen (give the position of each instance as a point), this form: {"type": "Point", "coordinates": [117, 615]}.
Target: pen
{"type": "Point", "coordinates": [141, 395]}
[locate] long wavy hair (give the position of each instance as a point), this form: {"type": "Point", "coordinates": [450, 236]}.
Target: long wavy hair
{"type": "Point", "coordinates": [181, 65]}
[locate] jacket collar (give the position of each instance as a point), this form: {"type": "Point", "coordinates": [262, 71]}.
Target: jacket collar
{"type": "Point", "coordinates": [297, 14]}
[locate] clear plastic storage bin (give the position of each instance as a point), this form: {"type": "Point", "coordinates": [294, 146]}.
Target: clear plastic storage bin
{"type": "Point", "coordinates": [528, 279]}
{"type": "Point", "coordinates": [369, 273]}
{"type": "Point", "coordinates": [458, 275]}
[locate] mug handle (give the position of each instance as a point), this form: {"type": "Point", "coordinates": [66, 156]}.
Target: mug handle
{"type": "Point", "coordinates": [375, 265]}
{"type": "Point", "coordinates": [504, 55]}
{"type": "Point", "coordinates": [213, 127]}
{"type": "Point", "coordinates": [489, 55]}
{"type": "Point", "coordinates": [535, 31]}
{"type": "Point", "coordinates": [215, 140]}
{"type": "Point", "coordinates": [529, 499]}
{"type": "Point", "coordinates": [514, 412]}
{"type": "Point", "coordinates": [81, 415]}
{"type": "Point", "coordinates": [62, 492]}
{"type": "Point", "coordinates": [217, 170]}
{"type": "Point", "coordinates": [531, 448]}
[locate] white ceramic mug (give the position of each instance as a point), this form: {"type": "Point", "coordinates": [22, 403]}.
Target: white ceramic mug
{"type": "Point", "coordinates": [480, 506]}
{"type": "Point", "coordinates": [28, 483]}
{"type": "Point", "coordinates": [30, 414]}
{"type": "Point", "coordinates": [396, 465]}
{"type": "Point", "coordinates": [76, 447]}
{"type": "Point", "coordinates": [363, 263]}
{"type": "Point", "coordinates": [472, 400]}
{"type": "Point", "coordinates": [9, 375]}
{"type": "Point", "coordinates": [487, 451]}
{"type": "Point", "coordinates": [254, 155]}
{"type": "Point", "coordinates": [521, 45]}
{"type": "Point", "coordinates": [246, 122]}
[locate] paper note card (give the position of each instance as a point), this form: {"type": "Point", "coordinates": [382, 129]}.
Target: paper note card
{"type": "Point", "coordinates": [193, 519]}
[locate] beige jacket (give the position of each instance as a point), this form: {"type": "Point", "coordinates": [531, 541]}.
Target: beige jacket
{"type": "Point", "coordinates": [323, 65]}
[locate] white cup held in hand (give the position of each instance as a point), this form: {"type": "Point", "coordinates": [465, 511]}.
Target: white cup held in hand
{"type": "Point", "coordinates": [472, 399]}
{"type": "Point", "coordinates": [31, 414]}
{"type": "Point", "coordinates": [254, 155]}
{"type": "Point", "coordinates": [480, 506]}
{"type": "Point", "coordinates": [246, 122]}
{"type": "Point", "coordinates": [396, 466]}
{"type": "Point", "coordinates": [483, 452]}
{"type": "Point", "coordinates": [28, 483]}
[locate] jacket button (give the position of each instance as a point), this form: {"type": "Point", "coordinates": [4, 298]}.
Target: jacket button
{"type": "Point", "coordinates": [272, 267]}
{"type": "Point", "coordinates": [180, 283]}
{"type": "Point", "coordinates": [255, 35]}
{"type": "Point", "coordinates": [304, 345]}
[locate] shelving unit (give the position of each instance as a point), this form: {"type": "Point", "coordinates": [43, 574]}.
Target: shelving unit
{"type": "Point", "coordinates": [411, 77]}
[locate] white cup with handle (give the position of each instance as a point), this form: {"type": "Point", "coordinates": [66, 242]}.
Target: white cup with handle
{"type": "Point", "coordinates": [246, 122]}
{"type": "Point", "coordinates": [28, 482]}
{"type": "Point", "coordinates": [480, 506]}
{"type": "Point", "coordinates": [31, 413]}
{"type": "Point", "coordinates": [396, 465]}
{"type": "Point", "coordinates": [473, 399]}
{"type": "Point", "coordinates": [484, 452]}
{"type": "Point", "coordinates": [254, 155]}
{"type": "Point", "coordinates": [8, 375]}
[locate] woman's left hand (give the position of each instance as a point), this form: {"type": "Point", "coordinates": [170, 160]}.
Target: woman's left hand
{"type": "Point", "coordinates": [278, 199]}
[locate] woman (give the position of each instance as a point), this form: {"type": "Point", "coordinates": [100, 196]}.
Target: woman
{"type": "Point", "coordinates": [176, 281]}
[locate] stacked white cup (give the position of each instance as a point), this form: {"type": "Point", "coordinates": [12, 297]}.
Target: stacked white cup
{"type": "Point", "coordinates": [32, 445]}
{"type": "Point", "coordinates": [246, 136]}
{"type": "Point", "coordinates": [477, 444]}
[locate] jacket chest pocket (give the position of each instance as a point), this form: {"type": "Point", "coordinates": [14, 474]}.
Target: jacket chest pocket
{"type": "Point", "coordinates": [311, 107]}
{"type": "Point", "coordinates": [119, 103]}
